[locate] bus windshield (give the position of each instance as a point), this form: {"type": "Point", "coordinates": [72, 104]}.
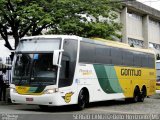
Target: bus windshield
{"type": "Point", "coordinates": [34, 69]}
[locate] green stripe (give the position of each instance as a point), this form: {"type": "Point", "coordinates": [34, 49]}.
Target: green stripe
{"type": "Point", "coordinates": [36, 89]}
{"type": "Point", "coordinates": [107, 79]}
{"type": "Point", "coordinates": [32, 89]}
{"type": "Point", "coordinates": [113, 79]}
{"type": "Point", "coordinates": [40, 89]}
{"type": "Point", "coordinates": [103, 78]}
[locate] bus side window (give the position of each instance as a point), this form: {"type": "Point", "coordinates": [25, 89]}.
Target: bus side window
{"type": "Point", "coordinates": [64, 73]}
{"type": "Point", "coordinates": [64, 78]}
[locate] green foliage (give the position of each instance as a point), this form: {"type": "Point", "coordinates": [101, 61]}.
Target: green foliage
{"type": "Point", "coordinates": [79, 17]}
{"type": "Point", "coordinates": [86, 18]}
{"type": "Point", "coordinates": [24, 17]}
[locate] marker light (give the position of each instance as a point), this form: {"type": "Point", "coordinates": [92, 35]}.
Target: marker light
{"type": "Point", "coordinates": [13, 90]}
{"type": "Point", "coordinates": [50, 91]}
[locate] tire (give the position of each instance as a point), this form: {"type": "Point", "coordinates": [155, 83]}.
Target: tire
{"type": "Point", "coordinates": [9, 100]}
{"type": "Point", "coordinates": [142, 95]}
{"type": "Point", "coordinates": [141, 98]}
{"type": "Point", "coordinates": [128, 100]}
{"type": "Point", "coordinates": [83, 99]}
{"type": "Point", "coordinates": [136, 95]}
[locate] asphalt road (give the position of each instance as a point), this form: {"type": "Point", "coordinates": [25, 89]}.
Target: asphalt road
{"type": "Point", "coordinates": [151, 106]}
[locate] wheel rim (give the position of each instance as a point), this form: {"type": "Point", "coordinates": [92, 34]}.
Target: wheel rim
{"type": "Point", "coordinates": [136, 95]}
{"type": "Point", "coordinates": [136, 98]}
{"type": "Point", "coordinates": [142, 99]}
{"type": "Point", "coordinates": [82, 100]}
{"type": "Point", "coordinates": [143, 95]}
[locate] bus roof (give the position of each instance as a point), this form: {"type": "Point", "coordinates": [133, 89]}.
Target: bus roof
{"type": "Point", "coordinates": [102, 41]}
{"type": "Point", "coordinates": [122, 45]}
{"type": "Point", "coordinates": [50, 36]}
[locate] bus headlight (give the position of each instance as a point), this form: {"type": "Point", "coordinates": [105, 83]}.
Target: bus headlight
{"type": "Point", "coordinates": [13, 90]}
{"type": "Point", "coordinates": [50, 91]}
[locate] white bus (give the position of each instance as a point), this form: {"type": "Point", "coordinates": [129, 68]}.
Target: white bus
{"type": "Point", "coordinates": [158, 76]}
{"type": "Point", "coordinates": [56, 70]}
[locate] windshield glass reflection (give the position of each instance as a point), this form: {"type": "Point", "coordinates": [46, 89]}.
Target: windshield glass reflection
{"type": "Point", "coordinates": [34, 69]}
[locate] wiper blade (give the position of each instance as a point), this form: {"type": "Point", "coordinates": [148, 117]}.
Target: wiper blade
{"type": "Point", "coordinates": [19, 83]}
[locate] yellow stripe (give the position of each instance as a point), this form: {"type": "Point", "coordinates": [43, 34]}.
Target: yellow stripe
{"type": "Point", "coordinates": [129, 81]}
{"type": "Point", "coordinates": [123, 45]}
{"type": "Point", "coordinates": [23, 90]}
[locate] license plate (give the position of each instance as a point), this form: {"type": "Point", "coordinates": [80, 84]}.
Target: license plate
{"type": "Point", "coordinates": [29, 99]}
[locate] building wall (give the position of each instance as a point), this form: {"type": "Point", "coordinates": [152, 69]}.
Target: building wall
{"type": "Point", "coordinates": [154, 31]}
{"type": "Point", "coordinates": [140, 29]}
{"type": "Point", "coordinates": [135, 26]}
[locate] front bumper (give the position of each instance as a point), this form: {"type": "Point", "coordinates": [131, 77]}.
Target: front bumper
{"type": "Point", "coordinates": [54, 99]}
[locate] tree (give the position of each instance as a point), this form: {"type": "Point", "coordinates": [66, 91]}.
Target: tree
{"type": "Point", "coordinates": [23, 17]}
{"type": "Point", "coordinates": [87, 18]}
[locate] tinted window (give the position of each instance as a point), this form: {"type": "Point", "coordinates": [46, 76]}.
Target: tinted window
{"type": "Point", "coordinates": [103, 54]}
{"type": "Point", "coordinates": [144, 60]}
{"type": "Point", "coordinates": [97, 53]}
{"type": "Point", "coordinates": [127, 58]}
{"type": "Point", "coordinates": [137, 59]}
{"type": "Point", "coordinates": [87, 52]}
{"type": "Point", "coordinates": [116, 56]}
{"type": "Point", "coordinates": [151, 61]}
{"type": "Point", "coordinates": [68, 62]}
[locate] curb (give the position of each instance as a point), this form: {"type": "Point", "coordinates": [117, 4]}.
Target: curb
{"type": "Point", "coordinates": [3, 102]}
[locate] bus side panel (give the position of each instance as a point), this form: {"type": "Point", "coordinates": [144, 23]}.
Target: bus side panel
{"type": "Point", "coordinates": [131, 77]}
{"type": "Point", "coordinates": [94, 78]}
{"type": "Point", "coordinates": [106, 82]}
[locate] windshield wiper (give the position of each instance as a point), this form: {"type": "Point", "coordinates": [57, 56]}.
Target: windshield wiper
{"type": "Point", "coordinates": [19, 83]}
{"type": "Point", "coordinates": [33, 75]}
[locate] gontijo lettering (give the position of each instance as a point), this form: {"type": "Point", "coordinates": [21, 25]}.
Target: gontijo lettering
{"type": "Point", "coordinates": [130, 72]}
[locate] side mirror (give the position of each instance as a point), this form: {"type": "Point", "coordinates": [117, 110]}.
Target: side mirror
{"type": "Point", "coordinates": [56, 55]}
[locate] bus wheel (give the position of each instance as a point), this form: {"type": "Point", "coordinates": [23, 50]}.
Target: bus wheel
{"type": "Point", "coordinates": [128, 100]}
{"type": "Point", "coordinates": [143, 94]}
{"type": "Point", "coordinates": [83, 99]}
{"type": "Point", "coordinates": [136, 95]}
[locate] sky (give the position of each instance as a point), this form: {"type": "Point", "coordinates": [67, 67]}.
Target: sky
{"type": "Point", "coordinates": [153, 3]}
